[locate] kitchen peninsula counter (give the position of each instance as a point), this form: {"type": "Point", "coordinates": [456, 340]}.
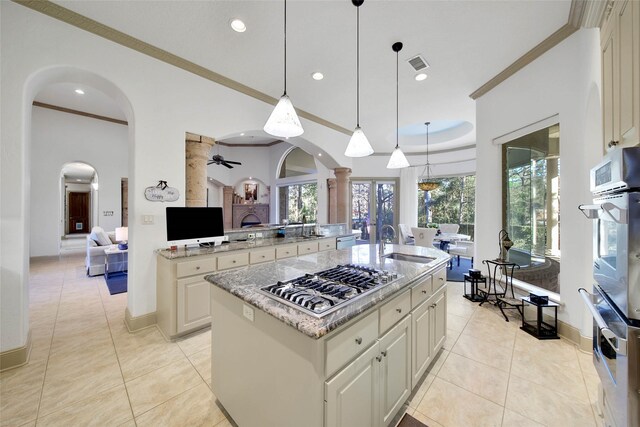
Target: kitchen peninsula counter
{"type": "Point", "coordinates": [244, 283]}
{"type": "Point", "coordinates": [274, 365]}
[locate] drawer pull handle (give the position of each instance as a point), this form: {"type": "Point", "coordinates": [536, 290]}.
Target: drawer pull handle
{"type": "Point", "coordinates": [424, 291]}
{"type": "Point", "coordinates": [197, 267]}
{"type": "Point", "coordinates": [441, 279]}
{"type": "Point", "coordinates": [358, 340]}
{"type": "Point", "coordinates": [234, 261]}
{"type": "Point", "coordinates": [399, 310]}
{"type": "Point", "coordinates": [262, 256]}
{"type": "Point", "coordinates": [379, 358]}
{"type": "Point", "coordinates": [384, 353]}
{"type": "Point", "coordinates": [432, 306]}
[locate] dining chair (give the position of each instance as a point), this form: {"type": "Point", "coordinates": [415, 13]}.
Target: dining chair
{"type": "Point", "coordinates": [462, 248]}
{"type": "Point", "coordinates": [449, 228]}
{"type": "Point", "coordinates": [423, 236]}
{"type": "Point", "coordinates": [404, 231]}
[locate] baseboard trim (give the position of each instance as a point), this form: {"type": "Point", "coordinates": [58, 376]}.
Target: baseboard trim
{"type": "Point", "coordinates": [135, 324]}
{"type": "Point", "coordinates": [573, 334]}
{"type": "Point", "coordinates": [16, 357]}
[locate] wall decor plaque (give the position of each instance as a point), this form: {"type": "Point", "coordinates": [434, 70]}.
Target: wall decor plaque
{"type": "Point", "coordinates": [161, 193]}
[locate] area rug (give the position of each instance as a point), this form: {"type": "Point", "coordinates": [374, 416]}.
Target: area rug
{"type": "Point", "coordinates": [457, 273]}
{"type": "Point", "coordinates": [117, 283]}
{"type": "Point", "coordinates": [408, 421]}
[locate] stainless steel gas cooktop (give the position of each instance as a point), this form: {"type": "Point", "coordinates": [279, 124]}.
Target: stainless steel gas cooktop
{"type": "Point", "coordinates": [321, 293]}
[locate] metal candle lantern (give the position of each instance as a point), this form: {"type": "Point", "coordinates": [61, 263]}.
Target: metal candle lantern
{"type": "Point", "coordinates": [504, 243]}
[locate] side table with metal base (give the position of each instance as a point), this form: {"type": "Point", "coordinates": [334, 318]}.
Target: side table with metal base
{"type": "Point", "coordinates": [538, 327]}
{"type": "Point", "coordinates": [506, 269]}
{"type": "Point", "coordinates": [474, 282]}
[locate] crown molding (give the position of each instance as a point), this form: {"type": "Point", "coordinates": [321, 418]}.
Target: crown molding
{"type": "Point", "coordinates": [67, 16]}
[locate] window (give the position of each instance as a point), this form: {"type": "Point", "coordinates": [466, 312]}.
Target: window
{"type": "Point", "coordinates": [298, 203]}
{"type": "Point", "coordinates": [531, 206]}
{"type": "Point", "coordinates": [453, 202]}
{"type": "Point", "coordinates": [298, 188]}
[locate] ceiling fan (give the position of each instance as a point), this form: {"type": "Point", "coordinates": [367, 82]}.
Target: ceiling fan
{"type": "Point", "coordinates": [219, 160]}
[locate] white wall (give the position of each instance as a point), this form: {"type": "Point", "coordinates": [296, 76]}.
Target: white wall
{"type": "Point", "coordinates": [58, 138]}
{"type": "Point", "coordinates": [161, 103]}
{"type": "Point", "coordinates": [564, 81]}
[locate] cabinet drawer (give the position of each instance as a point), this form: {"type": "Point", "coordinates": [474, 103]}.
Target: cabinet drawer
{"type": "Point", "coordinates": [350, 342]}
{"type": "Point", "coordinates": [326, 244]}
{"type": "Point", "coordinates": [307, 248]}
{"type": "Point", "coordinates": [421, 292]}
{"type": "Point", "coordinates": [439, 279]}
{"type": "Point", "coordinates": [262, 255]}
{"type": "Point", "coordinates": [232, 261]}
{"type": "Point", "coordinates": [198, 266]}
{"type": "Point", "coordinates": [286, 251]}
{"type": "Point", "coordinates": [393, 311]}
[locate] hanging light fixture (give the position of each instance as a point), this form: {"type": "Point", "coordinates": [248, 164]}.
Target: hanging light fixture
{"type": "Point", "coordinates": [397, 160]}
{"type": "Point", "coordinates": [428, 185]}
{"type": "Point", "coordinates": [358, 144]}
{"type": "Point", "coordinates": [283, 121]}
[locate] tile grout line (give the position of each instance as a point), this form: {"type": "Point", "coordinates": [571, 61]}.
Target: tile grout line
{"type": "Point", "coordinates": [506, 393]}
{"type": "Point", "coordinates": [53, 333]}
{"type": "Point", "coordinates": [115, 349]}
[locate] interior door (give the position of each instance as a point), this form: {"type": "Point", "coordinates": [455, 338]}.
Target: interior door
{"type": "Point", "coordinates": [373, 204]}
{"type": "Point", "coordinates": [78, 212]}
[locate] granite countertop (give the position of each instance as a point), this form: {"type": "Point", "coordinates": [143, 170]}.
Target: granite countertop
{"type": "Point", "coordinates": [241, 245]}
{"type": "Point", "coordinates": [245, 282]}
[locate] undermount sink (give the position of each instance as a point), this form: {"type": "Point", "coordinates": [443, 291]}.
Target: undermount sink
{"type": "Point", "coordinates": [410, 258]}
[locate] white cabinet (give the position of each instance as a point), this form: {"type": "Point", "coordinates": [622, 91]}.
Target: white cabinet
{"type": "Point", "coordinates": [307, 248]}
{"type": "Point", "coordinates": [422, 351]}
{"type": "Point", "coordinates": [620, 46]}
{"type": "Point", "coordinates": [327, 244]}
{"type": "Point", "coordinates": [370, 390]}
{"type": "Point", "coordinates": [193, 302]}
{"type": "Point", "coordinates": [395, 370]}
{"type": "Point", "coordinates": [438, 320]}
{"type": "Point", "coordinates": [352, 395]}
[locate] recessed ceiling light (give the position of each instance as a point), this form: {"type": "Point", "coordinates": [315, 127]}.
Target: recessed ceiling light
{"type": "Point", "coordinates": [317, 75]}
{"type": "Point", "coordinates": [319, 154]}
{"type": "Point", "coordinates": [79, 180]}
{"type": "Point", "coordinates": [250, 178]}
{"type": "Point", "coordinates": [242, 134]}
{"type": "Point", "coordinates": [238, 25]}
{"type": "Point", "coordinates": [79, 91]}
{"type": "Point", "coordinates": [420, 77]}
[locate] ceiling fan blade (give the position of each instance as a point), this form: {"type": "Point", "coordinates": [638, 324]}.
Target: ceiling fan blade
{"type": "Point", "coordinates": [210, 162]}
{"type": "Point", "coordinates": [227, 165]}
{"type": "Point", "coordinates": [232, 162]}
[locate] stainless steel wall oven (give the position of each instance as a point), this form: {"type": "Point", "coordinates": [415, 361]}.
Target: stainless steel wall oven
{"type": "Point", "coordinates": [615, 301]}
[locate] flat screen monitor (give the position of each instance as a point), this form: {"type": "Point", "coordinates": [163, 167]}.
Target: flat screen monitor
{"type": "Point", "coordinates": [191, 226]}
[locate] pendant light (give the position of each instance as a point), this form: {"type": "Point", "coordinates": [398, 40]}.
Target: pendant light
{"type": "Point", "coordinates": [358, 144]}
{"type": "Point", "coordinates": [428, 185]}
{"type": "Point", "coordinates": [283, 121]}
{"type": "Point", "coordinates": [397, 160]}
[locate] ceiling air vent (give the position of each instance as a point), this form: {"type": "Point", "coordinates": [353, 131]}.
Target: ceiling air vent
{"type": "Point", "coordinates": [418, 63]}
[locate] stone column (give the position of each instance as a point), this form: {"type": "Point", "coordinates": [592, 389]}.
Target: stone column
{"type": "Point", "coordinates": [197, 154]}
{"type": "Point", "coordinates": [333, 200]}
{"type": "Point", "coordinates": [227, 206]}
{"type": "Point", "coordinates": [342, 195]}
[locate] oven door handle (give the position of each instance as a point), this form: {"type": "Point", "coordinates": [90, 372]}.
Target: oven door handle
{"type": "Point", "coordinates": [593, 212]}
{"type": "Point", "coordinates": [621, 348]}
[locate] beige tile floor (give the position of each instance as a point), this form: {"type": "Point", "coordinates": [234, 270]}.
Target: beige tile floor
{"type": "Point", "coordinates": [87, 369]}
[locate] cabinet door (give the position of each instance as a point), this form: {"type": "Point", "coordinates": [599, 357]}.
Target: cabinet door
{"type": "Point", "coordinates": [194, 303]}
{"type": "Point", "coordinates": [420, 341]}
{"type": "Point", "coordinates": [351, 396]}
{"type": "Point", "coordinates": [629, 91]}
{"type": "Point", "coordinates": [609, 83]}
{"type": "Point", "coordinates": [395, 370]}
{"type": "Point", "coordinates": [439, 321]}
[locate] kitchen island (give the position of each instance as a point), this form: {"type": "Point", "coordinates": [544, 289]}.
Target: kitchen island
{"type": "Point", "coordinates": [275, 365]}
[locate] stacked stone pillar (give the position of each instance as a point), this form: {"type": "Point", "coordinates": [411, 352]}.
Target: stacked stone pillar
{"type": "Point", "coordinates": [197, 155]}
{"type": "Point", "coordinates": [343, 195]}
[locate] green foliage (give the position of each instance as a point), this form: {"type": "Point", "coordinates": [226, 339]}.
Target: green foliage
{"type": "Point", "coordinates": [301, 201]}
{"type": "Point", "coordinates": [453, 202]}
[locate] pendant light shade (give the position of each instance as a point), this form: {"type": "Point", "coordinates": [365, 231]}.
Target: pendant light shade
{"type": "Point", "coordinates": [283, 121]}
{"type": "Point", "coordinates": [358, 144]}
{"type": "Point", "coordinates": [398, 159]}
{"type": "Point", "coordinates": [428, 185]}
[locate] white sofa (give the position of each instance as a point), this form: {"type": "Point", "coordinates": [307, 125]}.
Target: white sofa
{"type": "Point", "coordinates": [95, 259]}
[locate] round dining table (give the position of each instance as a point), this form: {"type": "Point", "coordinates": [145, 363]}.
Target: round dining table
{"type": "Point", "coordinates": [446, 238]}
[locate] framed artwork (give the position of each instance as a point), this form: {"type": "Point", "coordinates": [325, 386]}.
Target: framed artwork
{"type": "Point", "coordinates": [251, 192]}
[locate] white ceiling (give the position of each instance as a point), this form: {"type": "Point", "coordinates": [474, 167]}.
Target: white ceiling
{"type": "Point", "coordinates": [93, 101]}
{"type": "Point", "coordinates": [465, 42]}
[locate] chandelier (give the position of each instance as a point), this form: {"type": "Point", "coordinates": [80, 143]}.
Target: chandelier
{"type": "Point", "coordinates": [427, 184]}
